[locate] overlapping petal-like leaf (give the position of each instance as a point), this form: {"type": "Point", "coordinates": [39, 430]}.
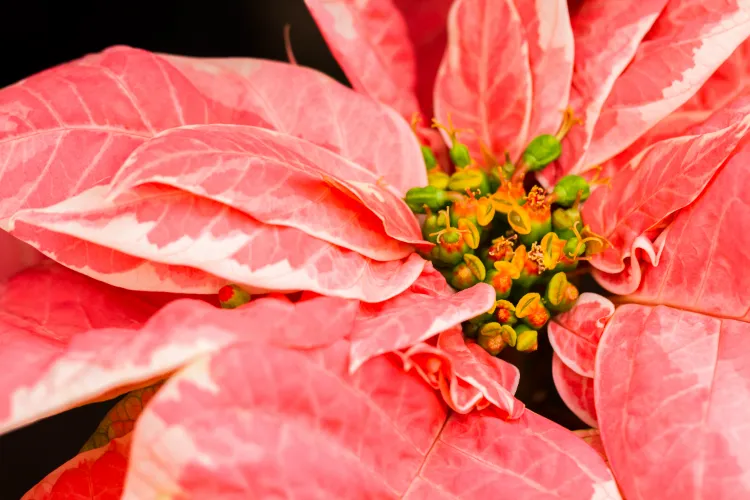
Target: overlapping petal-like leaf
{"type": "Point", "coordinates": [551, 51]}
{"type": "Point", "coordinates": [575, 335]}
{"type": "Point", "coordinates": [576, 391]}
{"type": "Point", "coordinates": [727, 82]}
{"type": "Point", "coordinates": [213, 239]}
{"type": "Point", "coordinates": [672, 391]}
{"type": "Point", "coordinates": [687, 43]}
{"type": "Point", "coordinates": [413, 317]}
{"type": "Point", "coordinates": [606, 36]}
{"type": "Point", "coordinates": [339, 435]}
{"type": "Point", "coordinates": [679, 372]}
{"type": "Point", "coordinates": [468, 377]}
{"type": "Point", "coordinates": [247, 92]}
{"type": "Point", "coordinates": [484, 81]}
{"type": "Point", "coordinates": [80, 121]}
{"type": "Point", "coordinates": [92, 343]}
{"type": "Point", "coordinates": [389, 49]}
{"type": "Point", "coordinates": [663, 179]}
{"type": "Point", "coordinates": [94, 475]}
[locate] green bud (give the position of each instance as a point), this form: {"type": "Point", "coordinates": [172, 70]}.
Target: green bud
{"type": "Point", "coordinates": [566, 190]}
{"type": "Point", "coordinates": [538, 230]}
{"type": "Point", "coordinates": [570, 248]}
{"type": "Point", "coordinates": [433, 223]}
{"type": "Point", "coordinates": [541, 151]}
{"type": "Point", "coordinates": [470, 178]}
{"type": "Point", "coordinates": [468, 273]}
{"type": "Point", "coordinates": [429, 158]}
{"type": "Point", "coordinates": [450, 248]}
{"type": "Point", "coordinates": [231, 296]}
{"type": "Point", "coordinates": [491, 329]}
{"type": "Point", "coordinates": [500, 281]}
{"type": "Point", "coordinates": [509, 335]}
{"type": "Point", "coordinates": [563, 220]}
{"type": "Point", "coordinates": [459, 154]}
{"type": "Point", "coordinates": [435, 199]}
{"type": "Point", "coordinates": [438, 179]}
{"type": "Point", "coordinates": [527, 279]}
{"type": "Point", "coordinates": [560, 295]}
{"type": "Point", "coordinates": [526, 339]}
{"type": "Point", "coordinates": [504, 313]}
{"type": "Point", "coordinates": [493, 345]}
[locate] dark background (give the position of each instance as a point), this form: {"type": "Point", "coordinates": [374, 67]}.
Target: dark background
{"type": "Point", "coordinates": [35, 35]}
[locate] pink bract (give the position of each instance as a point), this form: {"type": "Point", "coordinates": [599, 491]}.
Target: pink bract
{"type": "Point", "coordinates": [661, 89]}
{"type": "Point", "coordinates": [347, 432]}
{"type": "Point", "coordinates": [157, 173]}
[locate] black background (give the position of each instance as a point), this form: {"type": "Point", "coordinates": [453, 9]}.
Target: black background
{"type": "Point", "coordinates": [35, 35]}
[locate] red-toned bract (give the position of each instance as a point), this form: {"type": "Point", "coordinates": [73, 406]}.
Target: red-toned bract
{"type": "Point", "coordinates": [380, 433]}
{"type": "Point", "coordinates": [97, 474]}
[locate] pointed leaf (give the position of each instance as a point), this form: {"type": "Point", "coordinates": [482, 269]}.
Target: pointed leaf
{"type": "Point", "coordinates": [688, 42]}
{"type": "Point", "coordinates": [94, 475]}
{"type": "Point", "coordinates": [171, 227]}
{"type": "Point", "coordinates": [663, 179]}
{"type": "Point", "coordinates": [727, 83]}
{"type": "Point", "coordinates": [672, 392]}
{"type": "Point", "coordinates": [278, 179]}
{"type": "Point", "coordinates": [413, 317]}
{"type": "Point", "coordinates": [606, 35]}
{"type": "Point", "coordinates": [79, 121]}
{"type": "Point", "coordinates": [551, 47]}
{"type": "Point", "coordinates": [88, 347]}
{"type": "Point", "coordinates": [576, 391]}
{"type": "Point", "coordinates": [575, 335]}
{"type": "Point", "coordinates": [705, 258]}
{"type": "Point", "coordinates": [389, 49]}
{"type": "Point", "coordinates": [484, 81]}
{"type": "Point", "coordinates": [378, 433]}
{"type": "Point", "coordinates": [311, 106]}
{"type": "Point", "coordinates": [115, 267]}
{"type": "Point", "coordinates": [468, 377]}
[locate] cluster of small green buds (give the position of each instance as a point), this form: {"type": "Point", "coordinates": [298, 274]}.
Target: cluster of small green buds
{"type": "Point", "coordinates": [486, 227]}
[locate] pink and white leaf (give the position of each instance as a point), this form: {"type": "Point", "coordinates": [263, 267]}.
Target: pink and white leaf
{"type": "Point", "coordinates": [688, 42]}
{"type": "Point", "coordinates": [484, 82]}
{"type": "Point", "coordinates": [466, 375]}
{"type": "Point", "coordinates": [702, 267]}
{"type": "Point", "coordinates": [551, 53]}
{"type": "Point", "coordinates": [725, 84]}
{"type": "Point", "coordinates": [607, 35]}
{"type": "Point", "coordinates": [661, 180]}
{"type": "Point", "coordinates": [576, 391]}
{"type": "Point", "coordinates": [413, 317]}
{"type": "Point", "coordinates": [97, 474]}
{"type": "Point", "coordinates": [671, 389]}
{"type": "Point", "coordinates": [341, 435]}
{"type": "Point", "coordinates": [71, 127]}
{"type": "Point", "coordinates": [575, 335]}
{"type": "Point", "coordinates": [389, 49]}
{"type": "Point", "coordinates": [311, 106]}
{"type": "Point", "coordinates": [281, 180]}
{"type": "Point", "coordinates": [174, 228]}
{"type": "Point", "coordinates": [93, 344]}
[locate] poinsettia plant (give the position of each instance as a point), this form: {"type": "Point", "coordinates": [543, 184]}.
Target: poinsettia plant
{"type": "Point", "coordinates": [232, 243]}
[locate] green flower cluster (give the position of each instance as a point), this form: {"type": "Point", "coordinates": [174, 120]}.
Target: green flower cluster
{"type": "Point", "coordinates": [486, 227]}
